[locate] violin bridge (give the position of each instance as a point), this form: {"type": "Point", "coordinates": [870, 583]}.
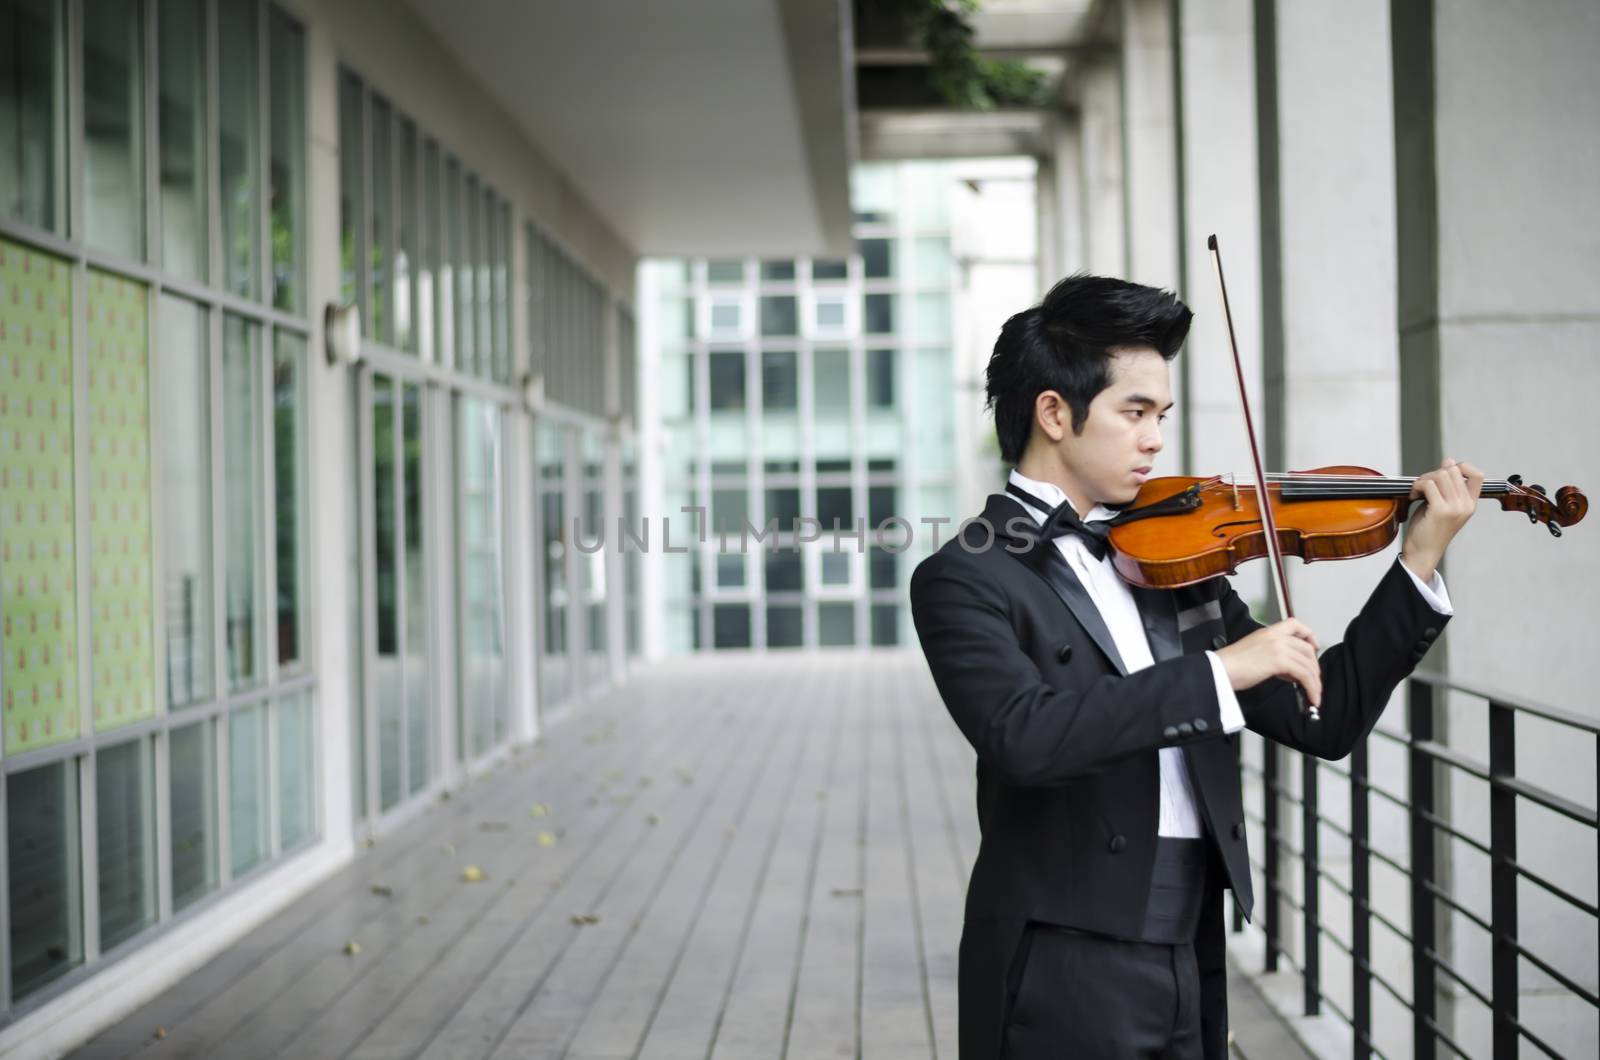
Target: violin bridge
{"type": "Point", "coordinates": [1233, 482]}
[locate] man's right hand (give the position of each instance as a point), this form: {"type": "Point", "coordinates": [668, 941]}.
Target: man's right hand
{"type": "Point", "coordinates": [1286, 649]}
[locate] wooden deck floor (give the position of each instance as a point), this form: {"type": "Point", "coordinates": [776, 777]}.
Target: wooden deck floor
{"type": "Point", "coordinates": [731, 858]}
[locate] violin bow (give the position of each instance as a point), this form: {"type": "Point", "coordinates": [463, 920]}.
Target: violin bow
{"type": "Point", "coordinates": [1269, 523]}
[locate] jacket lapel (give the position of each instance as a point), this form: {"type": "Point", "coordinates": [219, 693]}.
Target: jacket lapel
{"type": "Point", "coordinates": [1012, 522]}
{"type": "Point", "coordinates": [1159, 609]}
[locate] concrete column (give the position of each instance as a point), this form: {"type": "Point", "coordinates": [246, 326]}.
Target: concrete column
{"type": "Point", "coordinates": [1499, 317]}
{"type": "Point", "coordinates": [1104, 196]}
{"type": "Point", "coordinates": [1061, 215]}
{"type": "Point", "coordinates": [1150, 130]}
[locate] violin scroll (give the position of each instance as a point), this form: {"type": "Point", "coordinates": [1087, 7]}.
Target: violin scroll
{"type": "Point", "coordinates": [1568, 507]}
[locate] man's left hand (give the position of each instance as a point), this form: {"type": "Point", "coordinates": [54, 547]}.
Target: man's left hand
{"type": "Point", "coordinates": [1451, 496]}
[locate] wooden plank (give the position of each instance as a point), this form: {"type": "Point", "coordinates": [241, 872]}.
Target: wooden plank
{"type": "Point", "coordinates": [894, 1008]}
{"type": "Point", "coordinates": [648, 906]}
{"type": "Point", "coordinates": [826, 1019]}
{"type": "Point", "coordinates": [455, 981]}
{"type": "Point", "coordinates": [755, 1014]}
{"type": "Point", "coordinates": [690, 1011]}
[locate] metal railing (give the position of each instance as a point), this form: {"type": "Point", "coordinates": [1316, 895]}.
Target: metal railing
{"type": "Point", "coordinates": [1430, 766]}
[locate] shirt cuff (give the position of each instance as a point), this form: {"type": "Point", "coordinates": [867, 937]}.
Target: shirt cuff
{"type": "Point", "coordinates": [1227, 701]}
{"type": "Point", "coordinates": [1434, 592]}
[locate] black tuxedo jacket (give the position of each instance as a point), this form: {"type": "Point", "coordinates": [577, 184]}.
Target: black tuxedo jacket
{"type": "Point", "coordinates": [1068, 776]}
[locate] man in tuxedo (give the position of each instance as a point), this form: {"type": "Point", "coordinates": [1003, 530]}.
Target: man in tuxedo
{"type": "Point", "coordinates": [1105, 716]}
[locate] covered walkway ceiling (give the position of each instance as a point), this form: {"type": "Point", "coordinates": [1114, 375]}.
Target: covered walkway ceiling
{"type": "Point", "coordinates": [699, 127]}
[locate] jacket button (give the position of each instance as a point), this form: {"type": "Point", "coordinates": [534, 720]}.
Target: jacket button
{"type": "Point", "coordinates": [1431, 632]}
{"type": "Point", "coordinates": [1116, 844]}
{"type": "Point", "coordinates": [1201, 725]}
{"type": "Point", "coordinates": [1170, 732]}
{"type": "Point", "coordinates": [1185, 729]}
{"type": "Point", "coordinates": [1238, 830]}
{"type": "Point", "coordinates": [1219, 641]}
{"type": "Point", "coordinates": [1063, 653]}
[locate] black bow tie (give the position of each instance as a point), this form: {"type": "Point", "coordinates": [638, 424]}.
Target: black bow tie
{"type": "Point", "coordinates": [1063, 520]}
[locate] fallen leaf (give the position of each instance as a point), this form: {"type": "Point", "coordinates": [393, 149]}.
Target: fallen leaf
{"type": "Point", "coordinates": [654, 818]}
{"type": "Point", "coordinates": [351, 947]}
{"type": "Point", "coordinates": [449, 848]}
{"type": "Point", "coordinates": [422, 919]}
{"type": "Point", "coordinates": [382, 891]}
{"type": "Point", "coordinates": [369, 842]}
{"type": "Point", "coordinates": [545, 839]}
{"type": "Point", "coordinates": [161, 1032]}
{"type": "Point", "coordinates": [585, 918]}
{"type": "Point", "coordinates": [493, 826]}
{"type": "Point", "coordinates": [538, 809]}
{"type": "Point", "coordinates": [847, 892]}
{"type": "Point", "coordinates": [472, 874]}
{"type": "Point", "coordinates": [645, 782]}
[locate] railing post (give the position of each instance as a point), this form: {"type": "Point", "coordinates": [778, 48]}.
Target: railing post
{"type": "Point", "coordinates": [1310, 891]}
{"type": "Point", "coordinates": [1424, 997]}
{"type": "Point", "coordinates": [1269, 870]}
{"type": "Point", "coordinates": [1503, 876]}
{"type": "Point", "coordinates": [1361, 905]}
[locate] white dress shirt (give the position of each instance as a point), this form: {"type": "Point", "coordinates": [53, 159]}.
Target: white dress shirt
{"type": "Point", "coordinates": [1180, 816]}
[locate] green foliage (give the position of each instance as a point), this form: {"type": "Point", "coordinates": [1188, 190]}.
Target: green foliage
{"type": "Point", "coordinates": [961, 76]}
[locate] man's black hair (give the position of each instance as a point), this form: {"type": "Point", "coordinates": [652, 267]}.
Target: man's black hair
{"type": "Point", "coordinates": [1066, 343]}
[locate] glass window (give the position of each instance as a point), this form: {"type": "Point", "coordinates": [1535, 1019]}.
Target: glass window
{"type": "Point", "coordinates": [783, 504]}
{"type": "Point", "coordinates": [181, 118]}
{"type": "Point", "coordinates": [239, 108]}
{"type": "Point", "coordinates": [184, 436]}
{"type": "Point", "coordinates": [722, 272]}
{"type": "Point", "coordinates": [836, 625]}
{"type": "Point", "coordinates": [882, 565]}
{"type": "Point", "coordinates": [42, 861]}
{"type": "Point", "coordinates": [119, 491]}
{"type": "Point", "coordinates": [450, 274]}
{"type": "Point", "coordinates": [730, 510]}
{"type": "Point", "coordinates": [242, 494]}
{"type": "Point", "coordinates": [783, 570]}
{"type": "Point", "coordinates": [380, 171]}
{"type": "Point", "coordinates": [885, 625]}
{"type": "Point", "coordinates": [402, 291]}
{"type": "Point", "coordinates": [935, 265]}
{"type": "Point", "coordinates": [125, 840]}
{"type": "Point", "coordinates": [286, 166]}
{"type": "Point", "coordinates": [288, 412]}
{"type": "Point", "coordinates": [832, 381]}
{"type": "Point", "coordinates": [830, 314]}
{"type": "Point", "coordinates": [113, 136]}
{"type": "Point", "coordinates": [297, 813]}
{"type": "Point", "coordinates": [784, 627]}
{"type": "Point", "coordinates": [877, 314]}
{"type": "Point", "coordinates": [779, 380]}
{"type": "Point", "coordinates": [31, 98]}
{"type": "Point", "coordinates": [730, 625]}
{"type": "Point", "coordinates": [780, 314]}
{"type": "Point", "coordinates": [931, 316]}
{"type": "Point", "coordinates": [727, 380]}
{"type": "Point", "coordinates": [880, 505]}
{"type": "Point", "coordinates": [829, 270]}
{"type": "Point", "coordinates": [777, 270]}
{"type": "Point", "coordinates": [833, 502]}
{"type": "Point", "coordinates": [730, 570]}
{"type": "Point", "coordinates": [414, 575]}
{"type": "Point", "coordinates": [877, 258]}
{"type": "Point", "coordinates": [428, 319]}
{"type": "Point", "coordinates": [194, 815]}
{"type": "Point", "coordinates": [726, 318]}
{"type": "Point", "coordinates": [352, 207]}
{"type": "Point", "coordinates": [479, 513]}
{"type": "Point", "coordinates": [880, 379]}
{"type": "Point", "coordinates": [248, 827]}
{"type": "Point", "coordinates": [385, 673]}
{"type": "Point", "coordinates": [553, 663]}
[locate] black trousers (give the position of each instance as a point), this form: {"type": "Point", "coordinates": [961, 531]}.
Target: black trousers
{"type": "Point", "coordinates": [1077, 995]}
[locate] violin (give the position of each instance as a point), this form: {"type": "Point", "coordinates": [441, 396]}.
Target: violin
{"type": "Point", "coordinates": [1181, 530]}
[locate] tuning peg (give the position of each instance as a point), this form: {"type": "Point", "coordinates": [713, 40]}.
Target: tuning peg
{"type": "Point", "coordinates": [1537, 489]}
{"type": "Point", "coordinates": [1515, 480]}
{"type": "Point", "coordinates": [1533, 517]}
{"type": "Point", "coordinates": [1555, 531]}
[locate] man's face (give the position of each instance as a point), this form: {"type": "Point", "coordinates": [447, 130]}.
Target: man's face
{"type": "Point", "coordinates": [1117, 449]}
